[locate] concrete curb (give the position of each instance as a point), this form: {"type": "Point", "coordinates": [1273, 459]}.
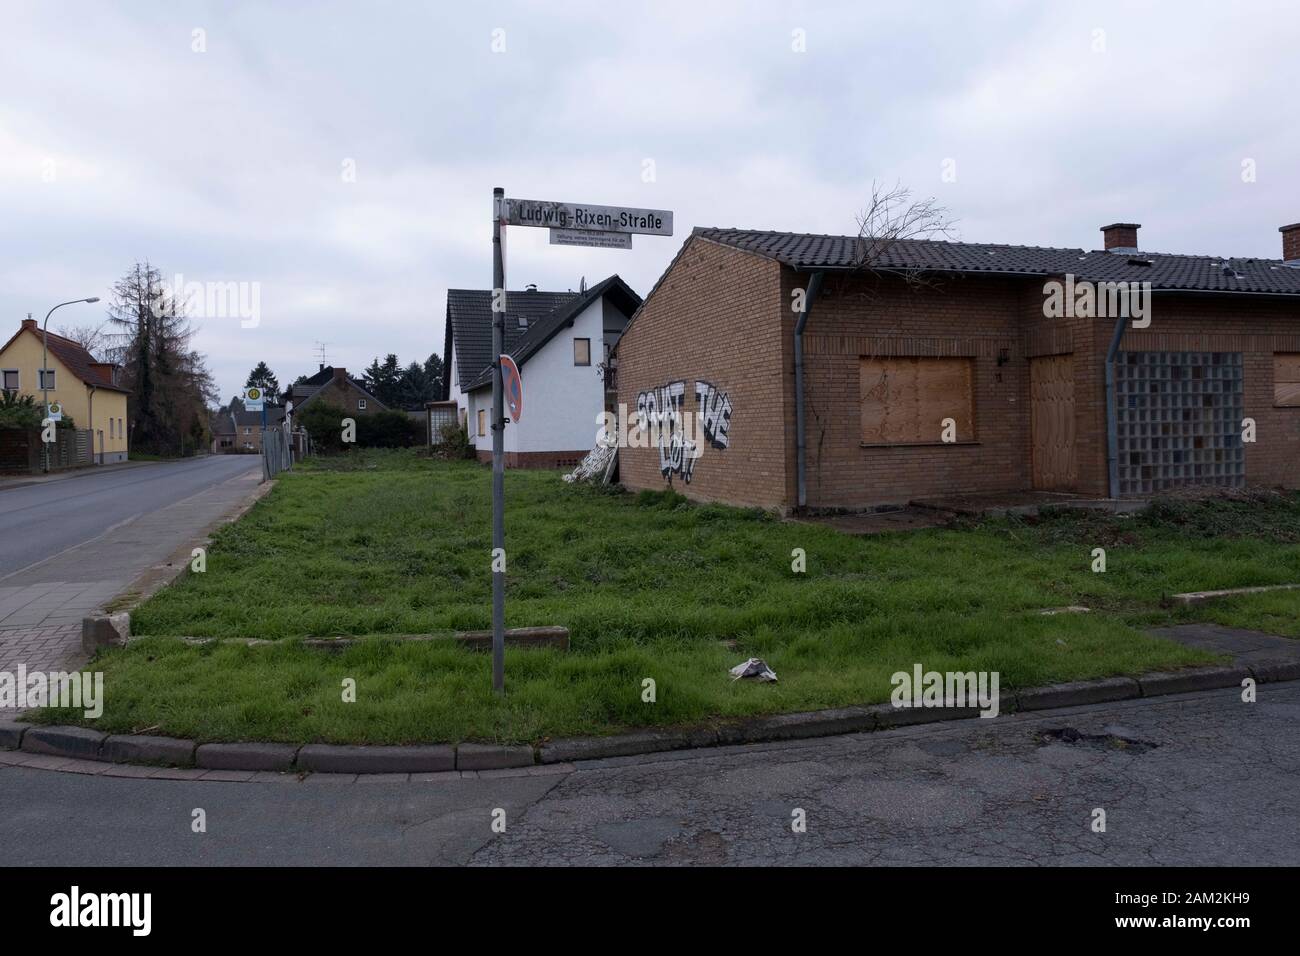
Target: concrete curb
{"type": "Point", "coordinates": [445, 760]}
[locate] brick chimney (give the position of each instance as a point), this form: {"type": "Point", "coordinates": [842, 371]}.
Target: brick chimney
{"type": "Point", "coordinates": [340, 373]}
{"type": "Point", "coordinates": [1291, 242]}
{"type": "Point", "coordinates": [31, 324]}
{"type": "Point", "coordinates": [1121, 237]}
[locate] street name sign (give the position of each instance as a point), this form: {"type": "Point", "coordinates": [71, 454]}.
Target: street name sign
{"type": "Point", "coordinates": [586, 237]}
{"type": "Point", "coordinates": [568, 215]}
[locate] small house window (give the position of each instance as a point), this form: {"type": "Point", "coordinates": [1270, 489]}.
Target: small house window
{"type": "Point", "coordinates": [482, 422]}
{"type": "Point", "coordinates": [47, 379]}
{"type": "Point", "coordinates": [11, 380]}
{"type": "Point", "coordinates": [361, 404]}
{"type": "Point", "coordinates": [1286, 379]}
{"type": "Point", "coordinates": [907, 401]}
{"type": "Point", "coordinates": [582, 351]}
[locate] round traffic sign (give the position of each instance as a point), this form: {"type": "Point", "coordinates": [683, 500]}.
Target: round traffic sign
{"type": "Point", "coordinates": [513, 387]}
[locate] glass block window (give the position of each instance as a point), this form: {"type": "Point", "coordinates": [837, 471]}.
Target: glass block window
{"type": "Point", "coordinates": [1179, 420]}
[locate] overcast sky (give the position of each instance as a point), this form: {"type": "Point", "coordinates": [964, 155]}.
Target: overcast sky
{"type": "Point", "coordinates": [118, 141]}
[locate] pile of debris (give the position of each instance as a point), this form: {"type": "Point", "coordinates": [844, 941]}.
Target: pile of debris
{"type": "Point", "coordinates": [598, 464]}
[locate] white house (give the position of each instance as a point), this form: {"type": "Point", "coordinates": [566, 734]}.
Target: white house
{"type": "Point", "coordinates": [560, 341]}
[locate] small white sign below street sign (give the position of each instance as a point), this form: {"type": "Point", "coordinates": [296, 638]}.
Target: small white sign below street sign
{"type": "Point", "coordinates": [568, 215]}
{"type": "Point", "coordinates": [585, 237]}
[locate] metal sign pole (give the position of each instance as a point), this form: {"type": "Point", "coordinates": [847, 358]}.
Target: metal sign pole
{"type": "Point", "coordinates": [498, 446]}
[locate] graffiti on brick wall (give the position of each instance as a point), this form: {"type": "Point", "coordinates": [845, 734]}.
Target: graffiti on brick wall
{"type": "Point", "coordinates": [660, 412]}
{"type": "Point", "coordinates": [661, 418]}
{"type": "Point", "coordinates": [714, 410]}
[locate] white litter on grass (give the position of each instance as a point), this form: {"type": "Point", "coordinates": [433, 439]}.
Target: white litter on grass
{"type": "Point", "coordinates": [754, 668]}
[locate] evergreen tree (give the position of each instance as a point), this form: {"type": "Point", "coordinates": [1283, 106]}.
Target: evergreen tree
{"type": "Point", "coordinates": [265, 379]}
{"type": "Point", "coordinates": [170, 386]}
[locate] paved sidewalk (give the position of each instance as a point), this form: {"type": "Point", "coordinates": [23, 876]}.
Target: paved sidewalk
{"type": "Point", "coordinates": [46, 648]}
{"type": "Point", "coordinates": [70, 585]}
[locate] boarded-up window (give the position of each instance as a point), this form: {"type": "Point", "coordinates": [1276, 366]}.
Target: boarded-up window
{"type": "Point", "coordinates": [904, 401]}
{"type": "Point", "coordinates": [1286, 379]}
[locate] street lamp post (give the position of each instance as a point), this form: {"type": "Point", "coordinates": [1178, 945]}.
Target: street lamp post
{"type": "Point", "coordinates": [44, 371]}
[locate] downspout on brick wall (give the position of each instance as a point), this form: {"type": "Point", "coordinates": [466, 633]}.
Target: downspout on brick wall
{"type": "Point", "coordinates": [801, 443]}
{"type": "Point", "coordinates": [1112, 417]}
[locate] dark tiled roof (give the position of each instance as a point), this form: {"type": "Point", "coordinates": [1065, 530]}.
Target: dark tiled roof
{"type": "Point", "coordinates": [541, 331]}
{"type": "Point", "coordinates": [469, 324]}
{"type": "Point", "coordinates": [1164, 272]}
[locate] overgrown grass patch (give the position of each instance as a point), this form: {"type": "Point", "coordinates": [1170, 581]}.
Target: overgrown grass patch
{"type": "Point", "coordinates": [651, 586]}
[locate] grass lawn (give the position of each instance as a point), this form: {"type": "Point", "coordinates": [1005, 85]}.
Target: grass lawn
{"type": "Point", "coordinates": [651, 587]}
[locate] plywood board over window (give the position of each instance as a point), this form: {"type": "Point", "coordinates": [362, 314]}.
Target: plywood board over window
{"type": "Point", "coordinates": [904, 401]}
{"type": "Point", "coordinates": [1286, 379]}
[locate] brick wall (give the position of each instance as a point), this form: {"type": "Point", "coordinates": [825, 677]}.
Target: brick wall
{"type": "Point", "coordinates": [724, 316]}
{"type": "Point", "coordinates": [856, 316]}
{"type": "Point", "coordinates": [714, 317]}
{"type": "Point", "coordinates": [1257, 328]}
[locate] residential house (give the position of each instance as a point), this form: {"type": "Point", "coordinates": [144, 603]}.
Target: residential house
{"type": "Point", "coordinates": [249, 426]}
{"type": "Point", "coordinates": [794, 372]}
{"type": "Point", "coordinates": [335, 387]}
{"type": "Point", "coordinates": [560, 341]}
{"type": "Point", "coordinates": [224, 430]}
{"type": "Point", "coordinates": [89, 391]}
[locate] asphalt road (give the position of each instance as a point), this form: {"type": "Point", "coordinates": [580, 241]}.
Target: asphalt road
{"type": "Point", "coordinates": [38, 521]}
{"type": "Point", "coordinates": [1194, 779]}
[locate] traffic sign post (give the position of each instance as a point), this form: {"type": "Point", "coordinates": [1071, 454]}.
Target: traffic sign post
{"type": "Point", "coordinates": [498, 447]}
{"type": "Point", "coordinates": [570, 224]}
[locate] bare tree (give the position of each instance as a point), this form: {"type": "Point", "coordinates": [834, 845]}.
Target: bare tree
{"type": "Point", "coordinates": [90, 337]}
{"type": "Point", "coordinates": [891, 219]}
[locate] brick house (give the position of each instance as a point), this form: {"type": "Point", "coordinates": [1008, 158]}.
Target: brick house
{"type": "Point", "coordinates": [988, 375]}
{"type": "Point", "coordinates": [334, 387]}
{"type": "Point", "coordinates": [560, 341]}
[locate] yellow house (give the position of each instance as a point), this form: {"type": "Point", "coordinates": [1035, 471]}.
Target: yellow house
{"type": "Point", "coordinates": [88, 390]}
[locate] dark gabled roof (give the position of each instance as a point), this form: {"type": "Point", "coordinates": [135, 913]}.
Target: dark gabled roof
{"type": "Point", "coordinates": [544, 329]}
{"type": "Point", "coordinates": [469, 326]}
{"type": "Point", "coordinates": [1164, 272]}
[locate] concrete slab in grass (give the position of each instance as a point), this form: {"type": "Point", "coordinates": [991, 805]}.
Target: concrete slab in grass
{"type": "Point", "coordinates": [11, 734]}
{"type": "Point", "coordinates": [79, 742]}
{"type": "Point", "coordinates": [330, 758]}
{"type": "Point", "coordinates": [246, 756]}
{"type": "Point", "coordinates": [1198, 678]}
{"type": "Point", "coordinates": [493, 756]}
{"type": "Point", "coordinates": [1075, 693]}
{"type": "Point", "coordinates": [146, 749]}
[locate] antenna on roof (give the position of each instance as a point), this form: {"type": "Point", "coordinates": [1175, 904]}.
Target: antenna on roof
{"type": "Point", "coordinates": [320, 352]}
